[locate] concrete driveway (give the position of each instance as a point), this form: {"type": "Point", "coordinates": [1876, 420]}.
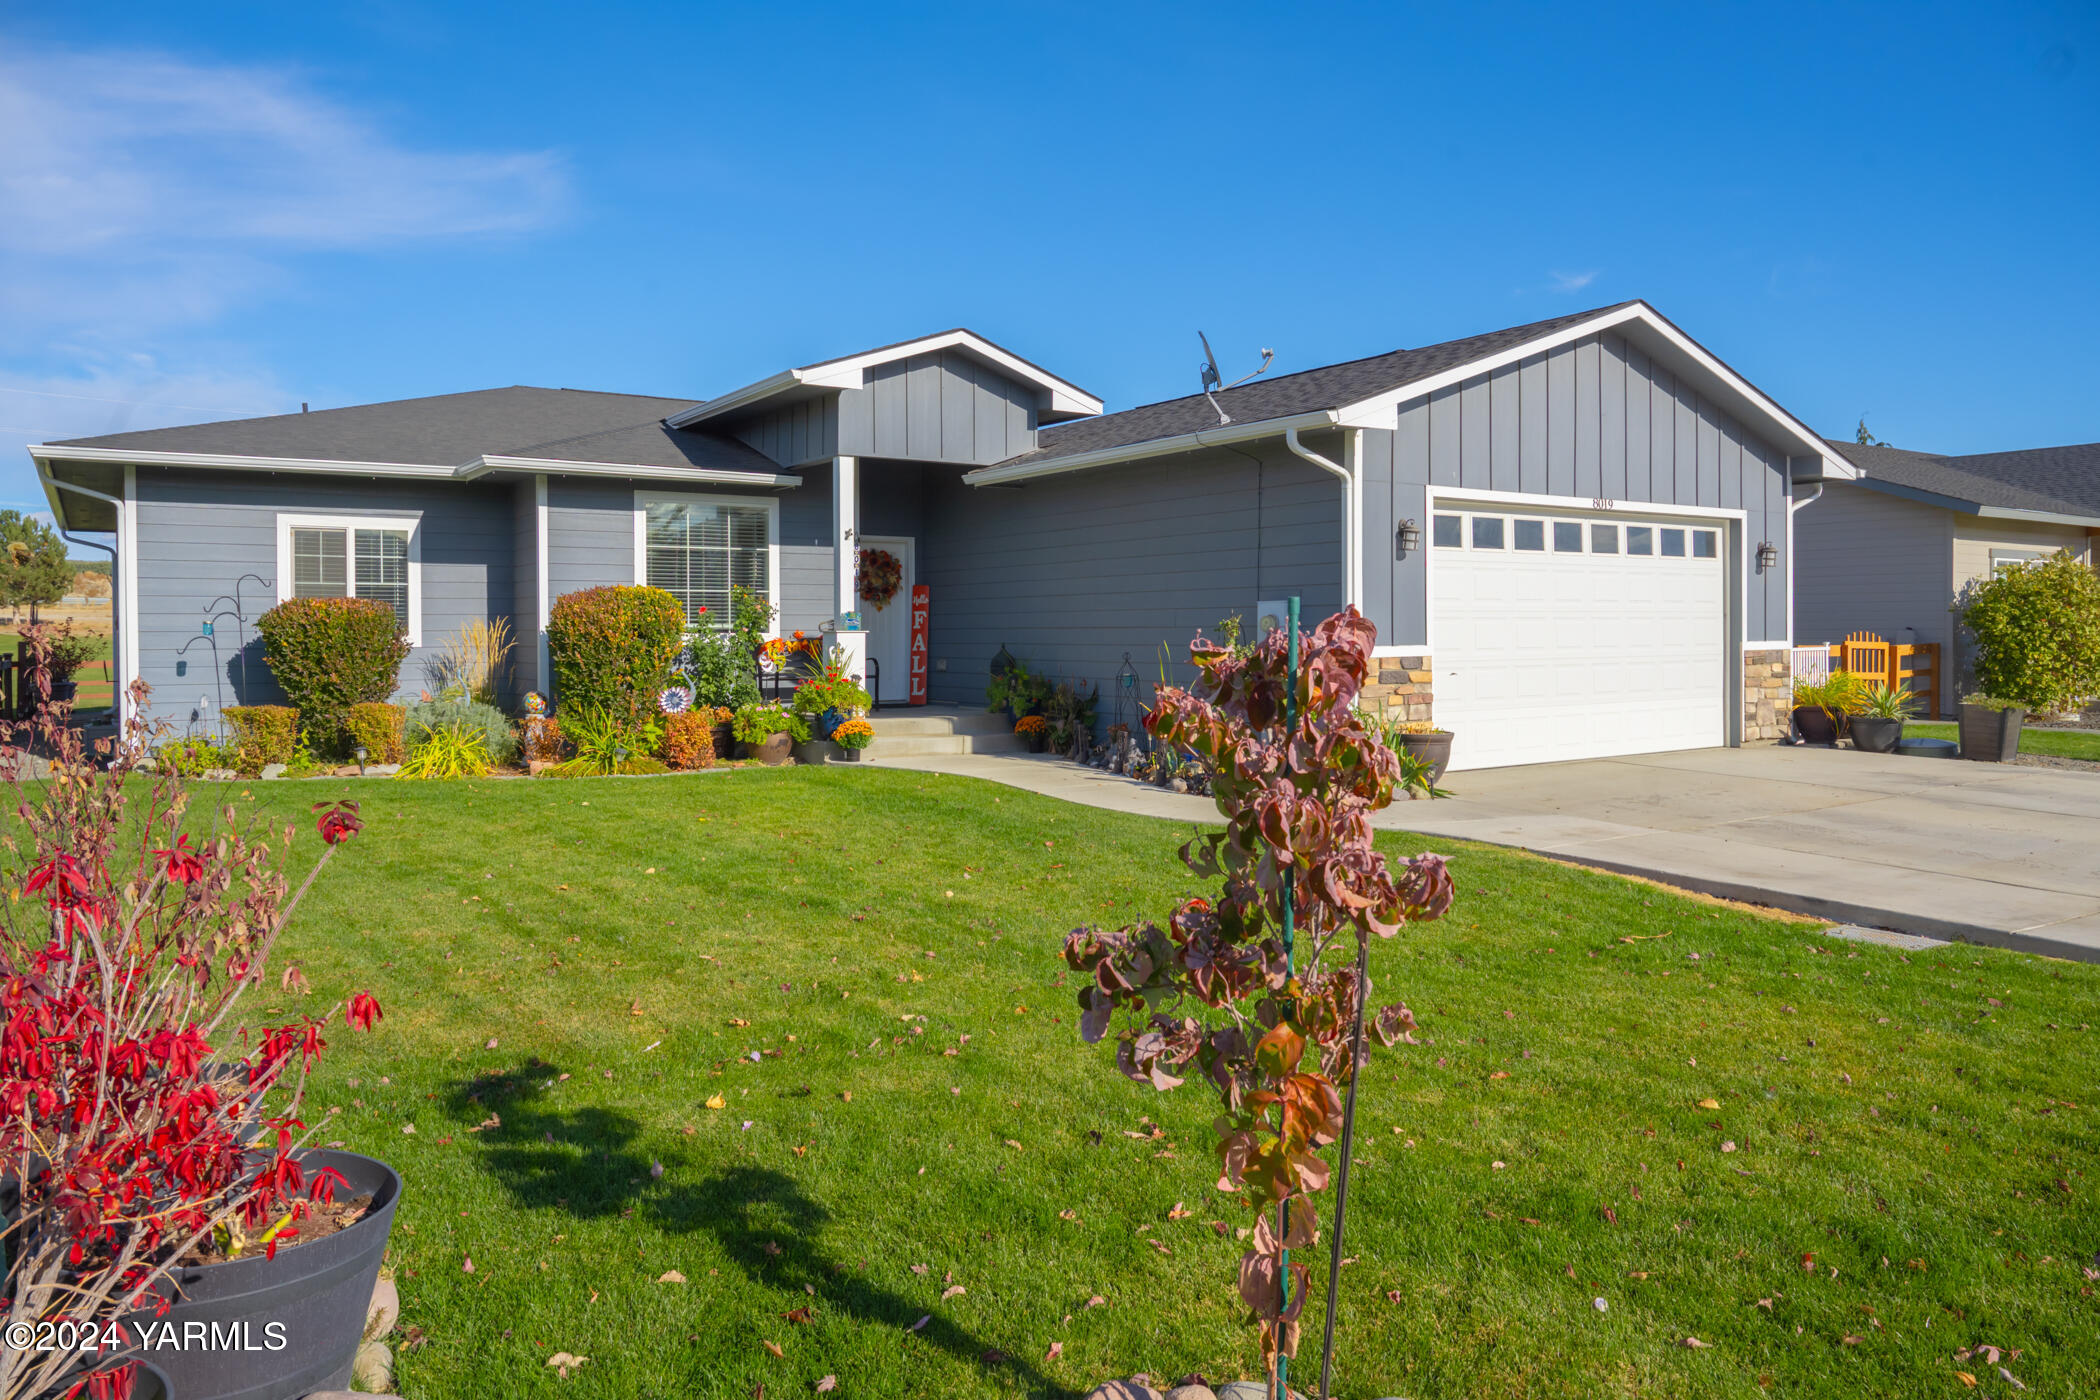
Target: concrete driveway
{"type": "Point", "coordinates": [1984, 852]}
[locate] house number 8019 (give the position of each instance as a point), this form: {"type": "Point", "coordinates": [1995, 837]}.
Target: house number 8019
{"type": "Point", "coordinates": [1599, 503]}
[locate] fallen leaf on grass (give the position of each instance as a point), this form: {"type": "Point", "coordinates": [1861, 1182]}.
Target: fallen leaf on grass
{"type": "Point", "coordinates": [919, 1269]}
{"type": "Point", "coordinates": [468, 1266]}
{"type": "Point", "coordinates": [1068, 1215]}
{"type": "Point", "coordinates": [827, 1384]}
{"type": "Point", "coordinates": [1180, 1212]}
{"type": "Point", "coordinates": [1499, 1074]}
{"type": "Point", "coordinates": [1709, 1104]}
{"type": "Point", "coordinates": [670, 1276]}
{"type": "Point", "coordinates": [1097, 1301]}
{"type": "Point", "coordinates": [1014, 1145]}
{"type": "Point", "coordinates": [1851, 1339]}
{"type": "Point", "coordinates": [717, 1101]}
{"type": "Point", "coordinates": [916, 1326]}
{"type": "Point", "coordinates": [1694, 1344]}
{"type": "Point", "coordinates": [1765, 1303]}
{"type": "Point", "coordinates": [1057, 1349]}
{"type": "Point", "coordinates": [1965, 1378]}
{"type": "Point", "coordinates": [1728, 1146]}
{"type": "Point", "coordinates": [950, 1291]}
{"type": "Point", "coordinates": [773, 1347]}
{"type": "Point", "coordinates": [563, 1363]}
{"type": "Point", "coordinates": [1393, 1295]}
{"type": "Point", "coordinates": [797, 1315]}
{"type": "Point", "coordinates": [1808, 1263]}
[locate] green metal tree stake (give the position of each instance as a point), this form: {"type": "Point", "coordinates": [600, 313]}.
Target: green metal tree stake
{"type": "Point", "coordinates": [1290, 887]}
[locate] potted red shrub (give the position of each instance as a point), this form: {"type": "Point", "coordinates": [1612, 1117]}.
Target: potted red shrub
{"type": "Point", "coordinates": [153, 1152]}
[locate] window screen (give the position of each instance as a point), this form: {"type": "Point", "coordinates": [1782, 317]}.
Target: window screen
{"type": "Point", "coordinates": [697, 551]}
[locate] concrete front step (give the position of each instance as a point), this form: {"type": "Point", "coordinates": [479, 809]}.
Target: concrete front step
{"type": "Point", "coordinates": [929, 745]}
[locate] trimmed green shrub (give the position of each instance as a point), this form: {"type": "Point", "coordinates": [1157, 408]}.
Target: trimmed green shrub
{"type": "Point", "coordinates": [329, 654]}
{"type": "Point", "coordinates": [2037, 631]}
{"type": "Point", "coordinates": [613, 649]}
{"type": "Point", "coordinates": [262, 734]}
{"type": "Point", "coordinates": [379, 729]}
{"type": "Point", "coordinates": [424, 720]}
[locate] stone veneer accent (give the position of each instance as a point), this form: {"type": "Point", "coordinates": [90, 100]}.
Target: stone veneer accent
{"type": "Point", "coordinates": [1767, 691]}
{"type": "Point", "coordinates": [1402, 686]}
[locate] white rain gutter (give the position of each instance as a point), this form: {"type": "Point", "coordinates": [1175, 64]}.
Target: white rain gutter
{"type": "Point", "coordinates": [1155, 447]}
{"type": "Point", "coordinates": [120, 692]}
{"type": "Point", "coordinates": [1792, 560]}
{"type": "Point", "coordinates": [1352, 513]}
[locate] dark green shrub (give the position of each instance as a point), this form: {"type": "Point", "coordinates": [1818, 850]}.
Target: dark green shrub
{"type": "Point", "coordinates": [329, 654]}
{"type": "Point", "coordinates": [422, 720]}
{"type": "Point", "coordinates": [2037, 630]}
{"type": "Point", "coordinates": [378, 729]}
{"type": "Point", "coordinates": [613, 649]}
{"type": "Point", "coordinates": [262, 734]}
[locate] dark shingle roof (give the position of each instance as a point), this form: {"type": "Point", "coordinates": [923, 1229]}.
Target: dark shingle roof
{"type": "Point", "coordinates": [2059, 480]}
{"type": "Point", "coordinates": [651, 444]}
{"type": "Point", "coordinates": [1308, 391]}
{"type": "Point", "coordinates": [442, 430]}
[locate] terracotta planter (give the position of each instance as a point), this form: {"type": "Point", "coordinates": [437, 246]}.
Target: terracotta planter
{"type": "Point", "coordinates": [1991, 736]}
{"type": "Point", "coordinates": [1433, 749]}
{"type": "Point", "coordinates": [1815, 725]}
{"type": "Point", "coordinates": [317, 1295]}
{"type": "Point", "coordinates": [1871, 735]}
{"type": "Point", "coordinates": [775, 750]}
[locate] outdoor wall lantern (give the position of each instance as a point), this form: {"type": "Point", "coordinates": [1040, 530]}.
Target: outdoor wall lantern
{"type": "Point", "coordinates": [1767, 555]}
{"type": "Point", "coordinates": [1407, 539]}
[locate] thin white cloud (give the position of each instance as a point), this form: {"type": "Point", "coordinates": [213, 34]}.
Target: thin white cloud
{"type": "Point", "coordinates": [146, 193]}
{"type": "Point", "coordinates": [119, 395]}
{"type": "Point", "coordinates": [1573, 281]}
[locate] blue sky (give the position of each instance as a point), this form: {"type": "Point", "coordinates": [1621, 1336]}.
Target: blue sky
{"type": "Point", "coordinates": [220, 210]}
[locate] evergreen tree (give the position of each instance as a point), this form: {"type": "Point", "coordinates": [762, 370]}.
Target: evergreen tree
{"type": "Point", "coordinates": [33, 563]}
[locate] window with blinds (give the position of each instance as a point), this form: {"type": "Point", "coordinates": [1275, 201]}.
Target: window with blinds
{"type": "Point", "coordinates": [696, 551]}
{"type": "Point", "coordinates": [352, 563]}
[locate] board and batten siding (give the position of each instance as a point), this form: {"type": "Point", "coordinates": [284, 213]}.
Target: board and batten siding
{"type": "Point", "coordinates": [944, 406]}
{"type": "Point", "coordinates": [1595, 419]}
{"type": "Point", "coordinates": [200, 532]}
{"type": "Point", "coordinates": [1069, 573]}
{"type": "Point", "coordinates": [590, 538]}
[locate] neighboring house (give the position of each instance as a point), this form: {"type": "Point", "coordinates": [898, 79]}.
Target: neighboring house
{"type": "Point", "coordinates": [1573, 536]}
{"type": "Point", "coordinates": [1892, 552]}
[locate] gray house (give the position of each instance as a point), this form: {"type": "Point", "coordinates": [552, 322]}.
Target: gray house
{"type": "Point", "coordinates": [1893, 551]}
{"type": "Point", "coordinates": [1575, 537]}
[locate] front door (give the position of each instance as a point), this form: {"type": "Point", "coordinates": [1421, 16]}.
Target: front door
{"type": "Point", "coordinates": [889, 627]}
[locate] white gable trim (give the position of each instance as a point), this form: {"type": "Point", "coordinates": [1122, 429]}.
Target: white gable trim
{"type": "Point", "coordinates": [1378, 410]}
{"type": "Point", "coordinates": [1060, 396]}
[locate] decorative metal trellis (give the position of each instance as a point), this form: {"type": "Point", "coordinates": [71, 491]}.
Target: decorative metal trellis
{"type": "Point", "coordinates": [226, 605]}
{"type": "Point", "coordinates": [1126, 702]}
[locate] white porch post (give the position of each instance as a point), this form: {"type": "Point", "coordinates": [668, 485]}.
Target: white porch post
{"type": "Point", "coordinates": [845, 526]}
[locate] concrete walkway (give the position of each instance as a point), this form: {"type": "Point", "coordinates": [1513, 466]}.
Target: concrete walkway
{"type": "Point", "coordinates": [1975, 851]}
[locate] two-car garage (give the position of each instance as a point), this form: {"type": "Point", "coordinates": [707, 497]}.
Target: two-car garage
{"type": "Point", "coordinates": [1562, 635]}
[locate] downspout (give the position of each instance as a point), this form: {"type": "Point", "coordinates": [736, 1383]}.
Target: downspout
{"type": "Point", "coordinates": [1352, 513]}
{"type": "Point", "coordinates": [1792, 562]}
{"type": "Point", "coordinates": [120, 695]}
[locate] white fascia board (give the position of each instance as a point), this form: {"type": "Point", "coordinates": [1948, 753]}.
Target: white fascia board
{"type": "Point", "coordinates": [1155, 447]}
{"type": "Point", "coordinates": [1378, 410]}
{"type": "Point", "coordinates": [851, 372]}
{"type": "Point", "coordinates": [711, 476]}
{"type": "Point", "coordinates": [1966, 507]}
{"type": "Point", "coordinates": [735, 399]}
{"type": "Point", "coordinates": [46, 452]}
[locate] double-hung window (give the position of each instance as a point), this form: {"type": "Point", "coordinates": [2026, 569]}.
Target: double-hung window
{"type": "Point", "coordinates": [331, 556]}
{"type": "Point", "coordinates": [697, 548]}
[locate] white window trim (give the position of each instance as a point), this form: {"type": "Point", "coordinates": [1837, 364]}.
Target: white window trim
{"type": "Point", "coordinates": [412, 522]}
{"type": "Point", "coordinates": [2002, 555]}
{"type": "Point", "coordinates": [771, 505]}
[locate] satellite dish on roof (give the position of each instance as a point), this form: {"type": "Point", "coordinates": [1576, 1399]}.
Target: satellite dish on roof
{"type": "Point", "coordinates": [1214, 379]}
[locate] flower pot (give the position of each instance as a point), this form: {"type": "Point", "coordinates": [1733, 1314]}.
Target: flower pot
{"type": "Point", "coordinates": [149, 1382]}
{"type": "Point", "coordinates": [1989, 735]}
{"type": "Point", "coordinates": [847, 755]}
{"type": "Point", "coordinates": [1036, 742]}
{"type": "Point", "coordinates": [1433, 749]}
{"type": "Point", "coordinates": [817, 751]}
{"type": "Point", "coordinates": [773, 751]}
{"type": "Point", "coordinates": [1815, 725]}
{"type": "Point", "coordinates": [62, 692]}
{"type": "Point", "coordinates": [823, 724]}
{"type": "Point", "coordinates": [317, 1296]}
{"type": "Point", "coordinates": [1872, 735]}
{"type": "Point", "coordinates": [725, 739]}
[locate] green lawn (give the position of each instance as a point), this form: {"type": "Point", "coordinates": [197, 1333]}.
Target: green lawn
{"type": "Point", "coordinates": [93, 678]}
{"type": "Point", "coordinates": [2059, 743]}
{"type": "Point", "coordinates": [574, 964]}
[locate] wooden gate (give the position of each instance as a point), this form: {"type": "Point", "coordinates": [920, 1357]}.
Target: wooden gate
{"type": "Point", "coordinates": [1914, 667]}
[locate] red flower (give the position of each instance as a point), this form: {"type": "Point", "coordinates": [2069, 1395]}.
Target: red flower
{"type": "Point", "coordinates": [364, 1011]}
{"type": "Point", "coordinates": [338, 821]}
{"type": "Point", "coordinates": [184, 864]}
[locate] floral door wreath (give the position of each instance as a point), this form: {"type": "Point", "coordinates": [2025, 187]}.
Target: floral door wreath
{"type": "Point", "coordinates": [880, 575]}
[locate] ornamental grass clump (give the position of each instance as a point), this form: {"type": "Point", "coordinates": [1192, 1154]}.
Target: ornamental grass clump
{"type": "Point", "coordinates": [138, 1119]}
{"type": "Point", "coordinates": [1260, 995]}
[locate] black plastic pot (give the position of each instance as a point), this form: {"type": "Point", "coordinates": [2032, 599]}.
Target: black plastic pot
{"type": "Point", "coordinates": [150, 1383]}
{"type": "Point", "coordinates": [1991, 735]}
{"type": "Point", "coordinates": [1872, 735]}
{"type": "Point", "coordinates": [1815, 725]}
{"type": "Point", "coordinates": [1036, 742]}
{"type": "Point", "coordinates": [725, 740]}
{"type": "Point", "coordinates": [1433, 749]}
{"type": "Point", "coordinates": [314, 1295]}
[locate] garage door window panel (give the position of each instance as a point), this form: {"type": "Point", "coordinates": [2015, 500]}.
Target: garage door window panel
{"type": "Point", "coordinates": [1529, 535]}
{"type": "Point", "coordinates": [1487, 532]}
{"type": "Point", "coordinates": [1640, 539]}
{"type": "Point", "coordinates": [1673, 544]}
{"type": "Point", "coordinates": [1567, 537]}
{"type": "Point", "coordinates": [1604, 539]}
{"type": "Point", "coordinates": [1449, 532]}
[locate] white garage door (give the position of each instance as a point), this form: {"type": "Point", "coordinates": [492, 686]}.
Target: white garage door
{"type": "Point", "coordinates": [1562, 637]}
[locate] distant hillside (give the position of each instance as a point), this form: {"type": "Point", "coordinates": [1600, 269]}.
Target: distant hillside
{"type": "Point", "coordinates": [93, 565]}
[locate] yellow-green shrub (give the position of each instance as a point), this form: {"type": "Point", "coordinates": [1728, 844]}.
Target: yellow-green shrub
{"type": "Point", "coordinates": [262, 734]}
{"type": "Point", "coordinates": [376, 727]}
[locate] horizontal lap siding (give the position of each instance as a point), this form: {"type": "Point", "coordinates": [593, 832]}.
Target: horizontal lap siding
{"type": "Point", "coordinates": [1595, 419]}
{"type": "Point", "coordinates": [590, 539]}
{"type": "Point", "coordinates": [199, 532]}
{"type": "Point", "coordinates": [525, 591]}
{"type": "Point", "coordinates": [1069, 573]}
{"type": "Point", "coordinates": [1871, 562]}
